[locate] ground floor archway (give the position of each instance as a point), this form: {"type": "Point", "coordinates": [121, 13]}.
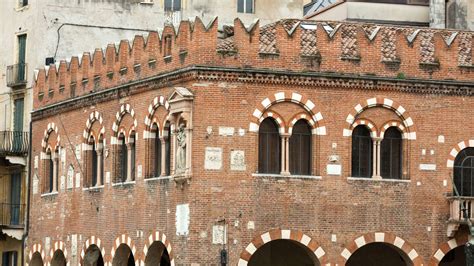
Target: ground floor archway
{"type": "Point", "coordinates": [454, 257]}
{"type": "Point", "coordinates": [58, 258]}
{"type": "Point", "coordinates": [36, 260]}
{"type": "Point", "coordinates": [379, 253]}
{"type": "Point", "coordinates": [283, 252]}
{"type": "Point", "coordinates": [123, 256]}
{"type": "Point", "coordinates": [93, 256]}
{"type": "Point", "coordinates": [157, 255]}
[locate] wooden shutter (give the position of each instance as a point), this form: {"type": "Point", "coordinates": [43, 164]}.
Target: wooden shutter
{"type": "Point", "coordinates": [361, 152]}
{"type": "Point", "coordinates": [300, 149]}
{"type": "Point", "coordinates": [269, 152]}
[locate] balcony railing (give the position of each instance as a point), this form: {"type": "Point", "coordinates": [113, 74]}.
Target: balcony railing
{"type": "Point", "coordinates": [461, 207]}
{"type": "Point", "coordinates": [12, 215]}
{"type": "Point", "coordinates": [14, 143]}
{"type": "Point", "coordinates": [16, 75]}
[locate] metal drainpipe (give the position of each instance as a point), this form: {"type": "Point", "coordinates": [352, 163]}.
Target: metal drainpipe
{"type": "Point", "coordinates": [27, 225]}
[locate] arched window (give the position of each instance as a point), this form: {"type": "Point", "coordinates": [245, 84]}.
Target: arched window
{"type": "Point", "coordinates": [157, 152]}
{"type": "Point", "coordinates": [94, 161]}
{"type": "Point", "coordinates": [391, 154]}
{"type": "Point", "coordinates": [361, 152]}
{"type": "Point", "coordinates": [122, 158]}
{"type": "Point", "coordinates": [167, 136]}
{"type": "Point", "coordinates": [50, 171]}
{"type": "Point", "coordinates": [131, 174]}
{"type": "Point", "coordinates": [464, 172]}
{"type": "Point", "coordinates": [269, 152]}
{"type": "Point", "coordinates": [300, 149]}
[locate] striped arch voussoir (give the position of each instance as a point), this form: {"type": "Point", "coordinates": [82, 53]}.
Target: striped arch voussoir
{"type": "Point", "coordinates": [157, 102]}
{"type": "Point", "coordinates": [297, 118]}
{"type": "Point", "coordinates": [386, 103]}
{"type": "Point", "coordinates": [278, 119]}
{"type": "Point", "coordinates": [307, 104]}
{"type": "Point", "coordinates": [372, 128]}
{"type": "Point", "coordinates": [381, 237]}
{"type": "Point", "coordinates": [51, 127]}
{"type": "Point", "coordinates": [124, 109]}
{"type": "Point", "coordinates": [59, 245]}
{"type": "Point", "coordinates": [396, 124]}
{"type": "Point", "coordinates": [124, 239]}
{"type": "Point", "coordinates": [277, 234]}
{"type": "Point", "coordinates": [458, 148]}
{"type": "Point", "coordinates": [93, 117]}
{"type": "Point", "coordinates": [36, 248]}
{"type": "Point", "coordinates": [157, 236]}
{"type": "Point", "coordinates": [444, 249]}
{"type": "Point", "coordinates": [93, 240]}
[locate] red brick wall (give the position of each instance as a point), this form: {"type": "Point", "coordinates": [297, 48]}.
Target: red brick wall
{"type": "Point", "coordinates": [415, 210]}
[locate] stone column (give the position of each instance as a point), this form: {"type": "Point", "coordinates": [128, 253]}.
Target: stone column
{"type": "Point", "coordinates": [285, 150]}
{"type": "Point", "coordinates": [100, 167]}
{"type": "Point", "coordinates": [378, 176]}
{"type": "Point", "coordinates": [163, 155]}
{"type": "Point", "coordinates": [374, 158]}
{"type": "Point", "coordinates": [55, 158]}
{"type": "Point", "coordinates": [129, 162]}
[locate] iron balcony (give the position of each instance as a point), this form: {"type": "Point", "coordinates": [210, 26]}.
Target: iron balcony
{"type": "Point", "coordinates": [14, 143]}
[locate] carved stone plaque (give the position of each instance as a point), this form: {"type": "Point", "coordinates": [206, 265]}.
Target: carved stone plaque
{"type": "Point", "coordinates": [237, 161]}
{"type": "Point", "coordinates": [213, 158]}
{"type": "Point", "coordinates": [70, 177]}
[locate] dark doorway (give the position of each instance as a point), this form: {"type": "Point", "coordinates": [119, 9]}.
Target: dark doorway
{"type": "Point", "coordinates": [58, 259]}
{"type": "Point", "coordinates": [283, 253]}
{"type": "Point", "coordinates": [376, 254]}
{"type": "Point", "coordinates": [123, 256]}
{"type": "Point", "coordinates": [93, 257]}
{"type": "Point", "coordinates": [157, 255]}
{"type": "Point", "coordinates": [455, 257]}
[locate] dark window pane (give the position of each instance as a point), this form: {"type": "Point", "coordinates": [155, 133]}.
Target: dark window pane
{"type": "Point", "coordinates": [177, 5]}
{"type": "Point", "coordinates": [168, 152]}
{"type": "Point", "coordinates": [122, 159]}
{"type": "Point", "coordinates": [391, 154]}
{"type": "Point", "coordinates": [361, 152]}
{"type": "Point", "coordinates": [157, 148]}
{"type": "Point", "coordinates": [464, 172]}
{"type": "Point", "coordinates": [269, 152]}
{"type": "Point", "coordinates": [248, 6]}
{"type": "Point", "coordinates": [51, 173]}
{"type": "Point", "coordinates": [240, 6]}
{"type": "Point", "coordinates": [300, 149]}
{"type": "Point", "coordinates": [132, 156]}
{"type": "Point", "coordinates": [168, 5]}
{"type": "Point", "coordinates": [94, 165]}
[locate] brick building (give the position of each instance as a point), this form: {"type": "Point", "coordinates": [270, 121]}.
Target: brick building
{"type": "Point", "coordinates": [294, 143]}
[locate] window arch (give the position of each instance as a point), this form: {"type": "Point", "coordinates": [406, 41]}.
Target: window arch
{"type": "Point", "coordinates": [269, 151]}
{"type": "Point", "coordinates": [464, 172]}
{"type": "Point", "coordinates": [49, 173]}
{"type": "Point", "coordinates": [391, 154]}
{"type": "Point", "coordinates": [94, 162]}
{"type": "Point", "coordinates": [122, 157]}
{"type": "Point", "coordinates": [300, 149]}
{"type": "Point", "coordinates": [362, 152]}
{"type": "Point", "coordinates": [132, 153]}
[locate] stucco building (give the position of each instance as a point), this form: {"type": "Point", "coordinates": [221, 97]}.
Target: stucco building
{"type": "Point", "coordinates": [453, 14]}
{"type": "Point", "coordinates": [295, 143]}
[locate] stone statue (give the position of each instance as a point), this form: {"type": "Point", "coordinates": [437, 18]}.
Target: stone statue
{"type": "Point", "coordinates": [181, 150]}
